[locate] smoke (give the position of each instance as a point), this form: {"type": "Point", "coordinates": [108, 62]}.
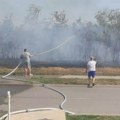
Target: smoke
{"type": "Point", "coordinates": [84, 40]}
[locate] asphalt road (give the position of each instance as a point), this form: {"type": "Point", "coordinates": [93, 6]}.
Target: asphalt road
{"type": "Point", "coordinates": [99, 100]}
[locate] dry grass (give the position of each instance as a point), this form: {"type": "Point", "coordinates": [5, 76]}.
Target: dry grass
{"type": "Point", "coordinates": [63, 71]}
{"type": "Point", "coordinates": [73, 71]}
{"type": "Point", "coordinates": [108, 71]}
{"type": "Point", "coordinates": [50, 75]}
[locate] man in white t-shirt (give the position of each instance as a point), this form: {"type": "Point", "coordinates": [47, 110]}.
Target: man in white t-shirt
{"type": "Point", "coordinates": [91, 70]}
{"type": "Point", "coordinates": [25, 56]}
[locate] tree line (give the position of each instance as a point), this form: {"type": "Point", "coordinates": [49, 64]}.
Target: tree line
{"type": "Point", "coordinates": [100, 39]}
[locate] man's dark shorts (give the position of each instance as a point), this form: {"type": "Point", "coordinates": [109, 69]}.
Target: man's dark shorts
{"type": "Point", "coordinates": [91, 74]}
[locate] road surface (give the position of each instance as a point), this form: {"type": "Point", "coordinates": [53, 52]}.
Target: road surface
{"type": "Point", "coordinates": [99, 100]}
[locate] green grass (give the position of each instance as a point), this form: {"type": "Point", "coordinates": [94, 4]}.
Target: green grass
{"type": "Point", "coordinates": [70, 81]}
{"type": "Point", "coordinates": [92, 117]}
{"type": "Point", "coordinates": [56, 80]}
{"type": "Point", "coordinates": [41, 79]}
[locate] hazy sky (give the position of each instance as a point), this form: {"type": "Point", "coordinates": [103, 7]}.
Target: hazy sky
{"type": "Point", "coordinates": [86, 9]}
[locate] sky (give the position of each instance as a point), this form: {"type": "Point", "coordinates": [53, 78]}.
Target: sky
{"type": "Point", "coordinates": [74, 9]}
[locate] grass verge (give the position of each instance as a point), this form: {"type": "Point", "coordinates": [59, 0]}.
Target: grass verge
{"type": "Point", "coordinates": [71, 81]}
{"type": "Point", "coordinates": [92, 117]}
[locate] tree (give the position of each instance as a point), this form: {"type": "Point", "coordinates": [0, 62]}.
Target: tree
{"type": "Point", "coordinates": [33, 14]}
{"type": "Point", "coordinates": [110, 22]}
{"type": "Point", "coordinates": [59, 17]}
{"type": "Point", "coordinates": [109, 18]}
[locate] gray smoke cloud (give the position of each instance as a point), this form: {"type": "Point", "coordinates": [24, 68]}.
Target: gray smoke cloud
{"type": "Point", "coordinates": [86, 40]}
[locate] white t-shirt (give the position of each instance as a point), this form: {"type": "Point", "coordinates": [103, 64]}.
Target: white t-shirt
{"type": "Point", "coordinates": [26, 56]}
{"type": "Point", "coordinates": [91, 65]}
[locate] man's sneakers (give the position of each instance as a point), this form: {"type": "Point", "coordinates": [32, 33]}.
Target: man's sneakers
{"type": "Point", "coordinates": [31, 75]}
{"type": "Point", "coordinates": [90, 86]}
{"type": "Point", "coordinates": [93, 84]}
{"type": "Point", "coordinates": [28, 76]}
